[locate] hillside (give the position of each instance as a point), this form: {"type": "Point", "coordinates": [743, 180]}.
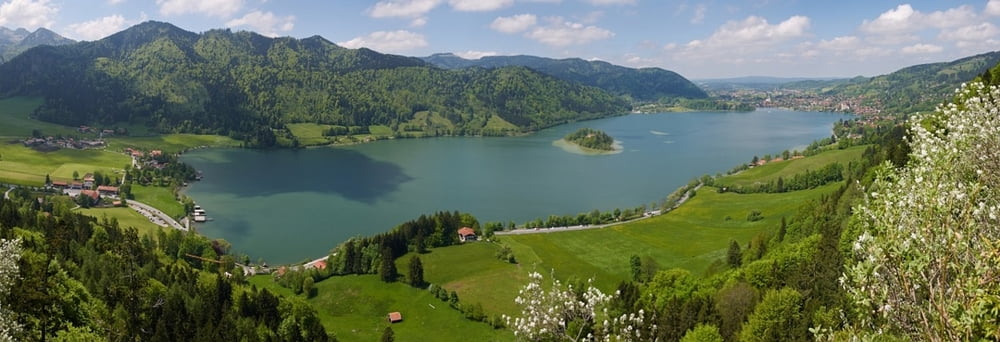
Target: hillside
{"type": "Point", "coordinates": [248, 86]}
{"type": "Point", "coordinates": [911, 89]}
{"type": "Point", "coordinates": [643, 84]}
{"type": "Point", "coordinates": [13, 42]}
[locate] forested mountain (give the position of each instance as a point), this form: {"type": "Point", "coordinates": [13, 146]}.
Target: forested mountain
{"type": "Point", "coordinates": [911, 89]}
{"type": "Point", "coordinates": [643, 84]}
{"type": "Point", "coordinates": [245, 85]}
{"type": "Point", "coordinates": [13, 42]}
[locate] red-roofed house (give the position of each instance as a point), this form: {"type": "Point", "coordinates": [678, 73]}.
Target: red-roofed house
{"type": "Point", "coordinates": [107, 190]}
{"type": "Point", "coordinates": [94, 195]}
{"type": "Point", "coordinates": [59, 184]}
{"type": "Point", "coordinates": [395, 317]}
{"type": "Point", "coordinates": [466, 234]}
{"type": "Point", "coordinates": [88, 180]}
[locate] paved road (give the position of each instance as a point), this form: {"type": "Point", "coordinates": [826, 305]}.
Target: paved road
{"type": "Point", "coordinates": [154, 214]}
{"type": "Point", "coordinates": [6, 195]}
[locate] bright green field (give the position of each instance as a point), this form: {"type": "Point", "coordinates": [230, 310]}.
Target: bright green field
{"type": "Point", "coordinates": [788, 168]}
{"type": "Point", "coordinates": [482, 278]}
{"type": "Point", "coordinates": [171, 143]}
{"type": "Point", "coordinates": [126, 218]}
{"type": "Point", "coordinates": [354, 308]}
{"type": "Point", "coordinates": [691, 237]}
{"type": "Point", "coordinates": [22, 165]}
{"type": "Point", "coordinates": [498, 123]}
{"type": "Point", "coordinates": [160, 198]}
{"type": "Point", "coordinates": [309, 133]}
{"type": "Point", "coordinates": [14, 114]}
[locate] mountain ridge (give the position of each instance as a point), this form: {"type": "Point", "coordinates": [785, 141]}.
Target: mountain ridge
{"type": "Point", "coordinates": [249, 86]}
{"type": "Point", "coordinates": [639, 84]}
{"type": "Point", "coordinates": [14, 42]}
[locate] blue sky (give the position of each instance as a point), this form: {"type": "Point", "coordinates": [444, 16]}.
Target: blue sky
{"type": "Point", "coordinates": [699, 39]}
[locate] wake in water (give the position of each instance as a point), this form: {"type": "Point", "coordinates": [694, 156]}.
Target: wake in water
{"type": "Point", "coordinates": [659, 133]}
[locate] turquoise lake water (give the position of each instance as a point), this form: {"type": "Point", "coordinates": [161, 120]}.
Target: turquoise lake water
{"type": "Point", "coordinates": [290, 205]}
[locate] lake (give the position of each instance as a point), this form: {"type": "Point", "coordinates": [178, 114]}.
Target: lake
{"type": "Point", "coordinates": [289, 205]}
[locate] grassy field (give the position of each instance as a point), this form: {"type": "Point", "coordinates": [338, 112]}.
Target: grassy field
{"type": "Point", "coordinates": [771, 171]}
{"type": "Point", "coordinates": [309, 133]}
{"type": "Point", "coordinates": [160, 198]}
{"type": "Point", "coordinates": [126, 218]}
{"type": "Point", "coordinates": [482, 278]}
{"type": "Point", "coordinates": [692, 237]}
{"type": "Point", "coordinates": [15, 114]}
{"type": "Point", "coordinates": [171, 143]}
{"type": "Point", "coordinates": [495, 122]}
{"type": "Point", "coordinates": [22, 165]}
{"type": "Point", "coordinates": [354, 308]}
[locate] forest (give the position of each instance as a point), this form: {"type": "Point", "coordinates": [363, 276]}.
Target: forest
{"type": "Point", "coordinates": [592, 139]}
{"type": "Point", "coordinates": [248, 86]}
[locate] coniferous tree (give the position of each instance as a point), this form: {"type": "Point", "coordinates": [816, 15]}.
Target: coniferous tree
{"type": "Point", "coordinates": [387, 271]}
{"type": "Point", "coordinates": [416, 275]}
{"type": "Point", "coordinates": [734, 256]}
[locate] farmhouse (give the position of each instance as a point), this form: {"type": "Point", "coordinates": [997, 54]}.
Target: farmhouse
{"type": "Point", "coordinates": [108, 190]}
{"type": "Point", "coordinates": [466, 234]}
{"type": "Point", "coordinates": [395, 317]}
{"type": "Point", "coordinates": [94, 195]}
{"type": "Point", "coordinates": [88, 180]}
{"type": "Point", "coordinates": [59, 184]}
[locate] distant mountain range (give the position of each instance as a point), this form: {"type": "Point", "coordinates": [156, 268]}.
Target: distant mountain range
{"type": "Point", "coordinates": [643, 84]}
{"type": "Point", "coordinates": [249, 86]}
{"type": "Point", "coordinates": [13, 42]}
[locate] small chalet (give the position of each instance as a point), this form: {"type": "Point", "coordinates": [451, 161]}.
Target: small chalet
{"type": "Point", "coordinates": [466, 234]}
{"type": "Point", "coordinates": [59, 184]}
{"type": "Point", "coordinates": [395, 317]}
{"type": "Point", "coordinates": [94, 195]}
{"type": "Point", "coordinates": [108, 190]}
{"type": "Point", "coordinates": [88, 180]}
{"type": "Point", "coordinates": [319, 265]}
{"type": "Point", "coordinates": [76, 185]}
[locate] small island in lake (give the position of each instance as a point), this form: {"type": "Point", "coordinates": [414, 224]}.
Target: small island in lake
{"type": "Point", "coordinates": [589, 141]}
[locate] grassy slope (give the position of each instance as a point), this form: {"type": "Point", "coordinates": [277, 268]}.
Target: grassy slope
{"type": "Point", "coordinates": [160, 198]}
{"type": "Point", "coordinates": [14, 114]}
{"type": "Point", "coordinates": [482, 278]}
{"type": "Point", "coordinates": [354, 308]}
{"type": "Point", "coordinates": [789, 168]}
{"type": "Point", "coordinates": [23, 165]}
{"type": "Point", "coordinates": [126, 218]}
{"type": "Point", "coordinates": [692, 237]}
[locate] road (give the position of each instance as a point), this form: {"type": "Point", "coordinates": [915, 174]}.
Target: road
{"type": "Point", "coordinates": [6, 195]}
{"type": "Point", "coordinates": [154, 214]}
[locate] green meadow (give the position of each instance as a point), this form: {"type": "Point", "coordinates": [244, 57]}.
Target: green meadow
{"type": "Point", "coordinates": [355, 308]}
{"type": "Point", "coordinates": [15, 113]}
{"type": "Point", "coordinates": [160, 198]}
{"type": "Point", "coordinates": [788, 168]}
{"type": "Point", "coordinates": [126, 218]}
{"type": "Point", "coordinates": [22, 165]}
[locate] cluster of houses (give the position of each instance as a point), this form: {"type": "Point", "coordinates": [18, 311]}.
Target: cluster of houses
{"type": "Point", "coordinates": [86, 187]}
{"type": "Point", "coordinates": [55, 143]}
{"type": "Point", "coordinates": [139, 159]}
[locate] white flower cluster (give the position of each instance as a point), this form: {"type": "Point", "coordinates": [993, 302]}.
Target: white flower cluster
{"type": "Point", "coordinates": [10, 253]}
{"type": "Point", "coordinates": [559, 313]}
{"type": "Point", "coordinates": [926, 264]}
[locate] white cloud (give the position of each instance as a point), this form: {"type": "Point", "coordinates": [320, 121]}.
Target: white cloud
{"type": "Point", "coordinates": [757, 31]}
{"type": "Point", "coordinates": [904, 19]}
{"type": "Point", "coordinates": [388, 41]}
{"type": "Point", "coordinates": [265, 23]}
{"type": "Point", "coordinates": [98, 28]}
{"type": "Point", "coordinates": [611, 2]}
{"type": "Point", "coordinates": [29, 14]}
{"type": "Point", "coordinates": [115, 2]}
{"type": "Point", "coordinates": [561, 33]}
{"type": "Point", "coordinates": [900, 19]}
{"type": "Point", "coordinates": [403, 8]}
{"type": "Point", "coordinates": [215, 8]}
{"type": "Point", "coordinates": [418, 22]}
{"type": "Point", "coordinates": [978, 32]}
{"type": "Point", "coordinates": [514, 23]}
{"type": "Point", "coordinates": [699, 14]}
{"type": "Point", "coordinates": [479, 5]}
{"type": "Point", "coordinates": [922, 49]}
{"type": "Point", "coordinates": [475, 54]}
{"type": "Point", "coordinates": [842, 43]}
{"type": "Point", "coordinates": [993, 8]}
